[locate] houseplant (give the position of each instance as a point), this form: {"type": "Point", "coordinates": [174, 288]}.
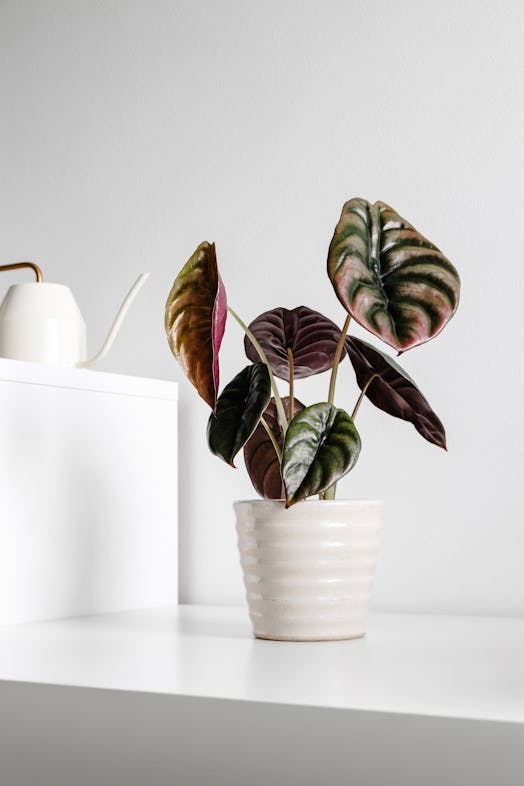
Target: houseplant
{"type": "Point", "coordinates": [308, 568]}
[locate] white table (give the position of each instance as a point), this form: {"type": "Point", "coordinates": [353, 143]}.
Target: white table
{"type": "Point", "coordinates": [185, 695]}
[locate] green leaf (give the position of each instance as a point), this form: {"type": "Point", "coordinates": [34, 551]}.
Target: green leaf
{"type": "Point", "coordinates": [392, 281]}
{"type": "Point", "coordinates": [195, 320]}
{"type": "Point", "coordinates": [239, 409]}
{"type": "Point", "coordinates": [321, 446]}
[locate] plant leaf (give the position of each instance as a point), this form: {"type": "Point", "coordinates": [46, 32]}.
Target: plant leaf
{"type": "Point", "coordinates": [393, 390]}
{"type": "Point", "coordinates": [321, 446]}
{"type": "Point", "coordinates": [261, 460]}
{"type": "Point", "coordinates": [195, 320]}
{"type": "Point", "coordinates": [392, 281]}
{"type": "Point", "coordinates": [238, 411]}
{"type": "Point", "coordinates": [311, 337]}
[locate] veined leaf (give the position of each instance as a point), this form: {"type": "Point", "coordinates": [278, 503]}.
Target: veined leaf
{"type": "Point", "coordinates": [238, 411]}
{"type": "Point", "coordinates": [393, 390]}
{"type": "Point", "coordinates": [321, 446]}
{"type": "Point", "coordinates": [195, 320]}
{"type": "Point", "coordinates": [261, 459]}
{"type": "Point", "coordinates": [392, 281]}
{"type": "Point", "coordinates": [311, 337]}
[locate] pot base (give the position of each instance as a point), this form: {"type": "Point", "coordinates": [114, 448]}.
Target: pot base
{"type": "Point", "coordinates": [346, 637]}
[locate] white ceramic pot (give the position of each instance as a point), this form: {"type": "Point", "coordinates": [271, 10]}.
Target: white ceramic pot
{"type": "Point", "coordinates": [308, 570]}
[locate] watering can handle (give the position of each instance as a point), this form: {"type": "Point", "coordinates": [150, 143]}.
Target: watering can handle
{"type": "Point", "coordinates": [20, 265]}
{"type": "Point", "coordinates": [117, 324]}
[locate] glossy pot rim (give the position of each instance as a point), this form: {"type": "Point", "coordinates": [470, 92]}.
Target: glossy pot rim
{"type": "Point", "coordinates": [279, 504]}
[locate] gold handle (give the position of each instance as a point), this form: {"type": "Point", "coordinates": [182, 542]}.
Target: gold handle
{"type": "Point", "coordinates": [18, 265]}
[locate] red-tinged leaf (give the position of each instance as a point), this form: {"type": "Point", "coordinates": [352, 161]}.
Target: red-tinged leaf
{"type": "Point", "coordinates": [393, 390]}
{"type": "Point", "coordinates": [218, 326]}
{"type": "Point", "coordinates": [392, 281]}
{"type": "Point", "coordinates": [260, 457]}
{"type": "Point", "coordinates": [311, 337]}
{"type": "Point", "coordinates": [195, 320]}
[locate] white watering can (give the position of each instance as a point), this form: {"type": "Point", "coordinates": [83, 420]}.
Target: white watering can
{"type": "Point", "coordinates": [42, 323]}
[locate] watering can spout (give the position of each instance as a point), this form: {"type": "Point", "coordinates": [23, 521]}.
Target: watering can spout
{"type": "Point", "coordinates": [117, 324]}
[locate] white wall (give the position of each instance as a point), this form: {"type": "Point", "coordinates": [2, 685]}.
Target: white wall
{"type": "Point", "coordinates": [132, 130]}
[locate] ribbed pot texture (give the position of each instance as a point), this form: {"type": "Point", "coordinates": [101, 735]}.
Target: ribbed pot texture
{"type": "Point", "coordinates": [308, 570]}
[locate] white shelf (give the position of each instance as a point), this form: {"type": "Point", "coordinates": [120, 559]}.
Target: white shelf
{"type": "Point", "coordinates": [184, 695]}
{"type": "Point", "coordinates": [445, 666]}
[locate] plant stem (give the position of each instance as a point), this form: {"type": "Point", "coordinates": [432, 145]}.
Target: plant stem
{"type": "Point", "coordinates": [336, 361]}
{"type": "Point", "coordinates": [331, 491]}
{"type": "Point", "coordinates": [362, 394]}
{"type": "Point", "coordinates": [291, 383]}
{"type": "Point", "coordinates": [273, 440]}
{"type": "Point", "coordinates": [263, 358]}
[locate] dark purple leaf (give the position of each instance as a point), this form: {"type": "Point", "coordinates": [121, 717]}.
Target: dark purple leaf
{"type": "Point", "coordinates": [259, 454]}
{"type": "Point", "coordinates": [311, 337]}
{"type": "Point", "coordinates": [393, 390]}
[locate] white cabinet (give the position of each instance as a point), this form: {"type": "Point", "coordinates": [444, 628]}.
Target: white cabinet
{"type": "Point", "coordinates": [88, 492]}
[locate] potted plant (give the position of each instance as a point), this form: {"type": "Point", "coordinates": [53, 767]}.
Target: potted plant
{"type": "Point", "coordinates": [308, 567]}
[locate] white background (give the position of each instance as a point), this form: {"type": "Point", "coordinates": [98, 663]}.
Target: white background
{"type": "Point", "coordinates": [130, 131]}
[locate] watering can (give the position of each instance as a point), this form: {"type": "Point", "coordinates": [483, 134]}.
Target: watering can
{"type": "Point", "coordinates": [41, 322]}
